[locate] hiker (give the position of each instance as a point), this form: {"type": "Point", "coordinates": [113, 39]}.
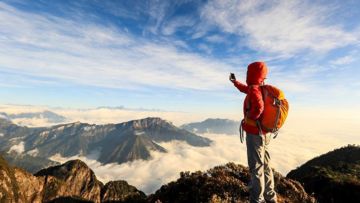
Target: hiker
{"type": "Point", "coordinates": [257, 140]}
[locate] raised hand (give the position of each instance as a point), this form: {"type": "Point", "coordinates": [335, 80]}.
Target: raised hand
{"type": "Point", "coordinates": [232, 77]}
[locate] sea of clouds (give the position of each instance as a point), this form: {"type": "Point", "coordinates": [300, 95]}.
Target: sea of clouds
{"type": "Point", "coordinates": [307, 133]}
{"type": "Point", "coordinates": [297, 143]}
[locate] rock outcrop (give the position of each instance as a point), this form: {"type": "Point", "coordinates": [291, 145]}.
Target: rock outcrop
{"type": "Point", "coordinates": [18, 185]}
{"type": "Point", "coordinates": [226, 183]}
{"type": "Point", "coordinates": [73, 178]}
{"type": "Point", "coordinates": [72, 181]}
{"type": "Point", "coordinates": [121, 191]}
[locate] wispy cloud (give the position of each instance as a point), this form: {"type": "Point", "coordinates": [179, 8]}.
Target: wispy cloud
{"type": "Point", "coordinates": [91, 54]}
{"type": "Point", "coordinates": [175, 24]}
{"type": "Point", "coordinates": [343, 60]}
{"type": "Point", "coordinates": [216, 39]}
{"type": "Point", "coordinates": [280, 27]}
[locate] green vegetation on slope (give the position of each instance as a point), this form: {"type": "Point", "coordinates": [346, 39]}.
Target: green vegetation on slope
{"type": "Point", "coordinates": [332, 177]}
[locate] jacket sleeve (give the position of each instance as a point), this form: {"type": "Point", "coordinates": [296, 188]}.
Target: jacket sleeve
{"type": "Point", "coordinates": [243, 88]}
{"type": "Point", "coordinates": [256, 102]}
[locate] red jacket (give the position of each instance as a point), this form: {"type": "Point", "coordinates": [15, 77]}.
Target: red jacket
{"type": "Point", "coordinates": [256, 75]}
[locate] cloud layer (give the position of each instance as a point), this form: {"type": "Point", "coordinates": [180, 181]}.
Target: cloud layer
{"type": "Point", "coordinates": [291, 149]}
{"type": "Point", "coordinates": [301, 139]}
{"type": "Point", "coordinates": [59, 50]}
{"type": "Point", "coordinates": [103, 115]}
{"type": "Point", "coordinates": [307, 133]}
{"type": "Point", "coordinates": [281, 27]}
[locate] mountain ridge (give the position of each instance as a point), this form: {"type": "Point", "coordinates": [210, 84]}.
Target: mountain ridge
{"type": "Point", "coordinates": [333, 176]}
{"type": "Point", "coordinates": [119, 143]}
{"type": "Point", "coordinates": [214, 126]}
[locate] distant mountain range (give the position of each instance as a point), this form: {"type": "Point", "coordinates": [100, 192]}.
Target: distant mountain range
{"type": "Point", "coordinates": [28, 162]}
{"type": "Point", "coordinates": [50, 116]}
{"type": "Point", "coordinates": [214, 126]}
{"type": "Point", "coordinates": [109, 143]}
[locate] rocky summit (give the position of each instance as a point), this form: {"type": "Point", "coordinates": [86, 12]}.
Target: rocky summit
{"type": "Point", "coordinates": [225, 184]}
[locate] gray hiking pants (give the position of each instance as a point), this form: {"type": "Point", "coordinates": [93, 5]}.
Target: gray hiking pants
{"type": "Point", "coordinates": [262, 178]}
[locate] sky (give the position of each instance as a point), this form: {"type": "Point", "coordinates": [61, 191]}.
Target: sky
{"type": "Point", "coordinates": [176, 55]}
{"type": "Point", "coordinates": [102, 61]}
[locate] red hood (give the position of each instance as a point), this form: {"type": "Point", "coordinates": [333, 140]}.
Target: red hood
{"type": "Point", "coordinates": [256, 73]}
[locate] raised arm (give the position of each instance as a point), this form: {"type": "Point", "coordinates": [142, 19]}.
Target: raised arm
{"type": "Point", "coordinates": [242, 87]}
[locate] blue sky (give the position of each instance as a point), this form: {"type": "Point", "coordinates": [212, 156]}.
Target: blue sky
{"type": "Point", "coordinates": [176, 55]}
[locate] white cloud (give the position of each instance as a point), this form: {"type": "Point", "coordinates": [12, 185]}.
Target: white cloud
{"type": "Point", "coordinates": [98, 115]}
{"type": "Point", "coordinates": [19, 148]}
{"type": "Point", "coordinates": [205, 48]}
{"type": "Point", "coordinates": [176, 23]}
{"type": "Point", "coordinates": [281, 27]}
{"type": "Point", "coordinates": [216, 39]}
{"type": "Point", "coordinates": [63, 51]}
{"type": "Point", "coordinates": [343, 60]}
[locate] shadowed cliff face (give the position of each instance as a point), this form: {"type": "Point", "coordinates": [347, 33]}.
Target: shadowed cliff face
{"type": "Point", "coordinates": [332, 177]}
{"type": "Point", "coordinates": [226, 183]}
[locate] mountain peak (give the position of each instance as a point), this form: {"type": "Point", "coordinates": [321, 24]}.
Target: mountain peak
{"type": "Point", "coordinates": [68, 168]}
{"type": "Point", "coordinates": [76, 177]}
{"type": "Point", "coordinates": [148, 122]}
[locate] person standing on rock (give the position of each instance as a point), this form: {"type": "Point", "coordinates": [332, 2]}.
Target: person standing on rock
{"type": "Point", "coordinates": [257, 141]}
